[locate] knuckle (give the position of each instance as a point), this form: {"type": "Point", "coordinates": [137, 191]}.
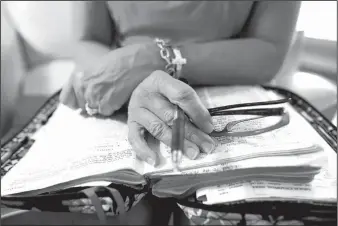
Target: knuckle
{"type": "Point", "coordinates": [157, 74]}
{"type": "Point", "coordinates": [157, 129]}
{"type": "Point", "coordinates": [140, 97]}
{"type": "Point", "coordinates": [78, 75]}
{"type": "Point", "coordinates": [138, 92]}
{"type": "Point", "coordinates": [189, 134]}
{"type": "Point", "coordinates": [157, 79]}
{"type": "Point", "coordinates": [169, 116]}
{"type": "Point", "coordinates": [184, 95]}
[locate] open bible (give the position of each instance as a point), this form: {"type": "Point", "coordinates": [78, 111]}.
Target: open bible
{"type": "Point", "coordinates": [74, 150]}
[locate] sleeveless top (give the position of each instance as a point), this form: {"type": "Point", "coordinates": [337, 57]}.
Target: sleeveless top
{"type": "Point", "coordinates": [179, 21]}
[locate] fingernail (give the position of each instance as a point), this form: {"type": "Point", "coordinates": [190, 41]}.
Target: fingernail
{"type": "Point", "coordinates": [210, 127]}
{"type": "Point", "coordinates": [151, 161]}
{"type": "Point", "coordinates": [208, 147]}
{"type": "Point", "coordinates": [192, 153]}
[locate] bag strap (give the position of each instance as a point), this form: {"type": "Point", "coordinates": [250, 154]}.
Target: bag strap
{"type": "Point", "coordinates": [121, 210]}
{"type": "Point", "coordinates": [91, 194]}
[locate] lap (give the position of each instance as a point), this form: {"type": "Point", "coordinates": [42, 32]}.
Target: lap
{"type": "Point", "coordinates": [149, 211]}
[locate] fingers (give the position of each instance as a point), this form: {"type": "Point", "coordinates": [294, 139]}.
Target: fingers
{"type": "Point", "coordinates": [85, 205]}
{"type": "Point", "coordinates": [158, 129]}
{"type": "Point", "coordinates": [136, 138]}
{"type": "Point", "coordinates": [68, 96]}
{"type": "Point", "coordinates": [110, 102]}
{"type": "Point", "coordinates": [86, 201]}
{"type": "Point", "coordinates": [87, 209]}
{"type": "Point", "coordinates": [185, 97]}
{"type": "Point", "coordinates": [165, 111]}
{"type": "Point", "coordinates": [72, 93]}
{"type": "Point", "coordinates": [79, 89]}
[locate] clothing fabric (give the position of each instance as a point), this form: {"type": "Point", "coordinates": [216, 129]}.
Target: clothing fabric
{"type": "Point", "coordinates": [180, 21]}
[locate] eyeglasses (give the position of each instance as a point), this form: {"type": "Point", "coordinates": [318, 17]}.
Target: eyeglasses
{"type": "Point", "coordinates": [255, 119]}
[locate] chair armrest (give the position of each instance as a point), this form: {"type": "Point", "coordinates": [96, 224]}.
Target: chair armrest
{"type": "Point", "coordinates": [318, 90]}
{"type": "Point", "coordinates": [319, 57]}
{"type": "Point", "coordinates": [38, 86]}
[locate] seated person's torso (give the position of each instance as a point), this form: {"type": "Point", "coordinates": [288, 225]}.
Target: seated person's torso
{"type": "Point", "coordinates": [180, 21]}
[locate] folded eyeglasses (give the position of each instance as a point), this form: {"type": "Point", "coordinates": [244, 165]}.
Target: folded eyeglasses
{"type": "Point", "coordinates": [253, 120]}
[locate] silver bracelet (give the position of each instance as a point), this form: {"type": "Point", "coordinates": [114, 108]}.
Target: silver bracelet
{"type": "Point", "coordinates": [174, 63]}
{"type": "Point", "coordinates": [178, 61]}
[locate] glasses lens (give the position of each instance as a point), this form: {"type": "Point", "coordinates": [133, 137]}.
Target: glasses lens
{"type": "Point", "coordinates": [253, 124]}
{"type": "Point", "coordinates": [245, 123]}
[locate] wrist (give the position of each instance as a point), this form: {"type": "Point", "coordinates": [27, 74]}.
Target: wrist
{"type": "Point", "coordinates": [172, 56]}
{"type": "Point", "coordinates": [155, 57]}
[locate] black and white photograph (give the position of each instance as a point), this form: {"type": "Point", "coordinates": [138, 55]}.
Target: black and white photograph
{"type": "Point", "coordinates": [169, 113]}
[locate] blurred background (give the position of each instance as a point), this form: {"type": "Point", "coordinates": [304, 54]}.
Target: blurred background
{"type": "Point", "coordinates": [30, 73]}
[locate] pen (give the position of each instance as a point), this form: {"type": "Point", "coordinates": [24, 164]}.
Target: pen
{"type": "Point", "coordinates": [178, 129]}
{"type": "Point", "coordinates": [177, 140]}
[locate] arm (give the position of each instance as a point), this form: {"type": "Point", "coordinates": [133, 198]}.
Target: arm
{"type": "Point", "coordinates": [94, 29]}
{"type": "Point", "coordinates": [255, 58]}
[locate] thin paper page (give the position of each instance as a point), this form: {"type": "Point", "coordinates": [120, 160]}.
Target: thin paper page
{"type": "Point", "coordinates": [311, 160]}
{"type": "Point", "coordinates": [322, 188]}
{"type": "Point", "coordinates": [283, 140]}
{"type": "Point", "coordinates": [71, 147]}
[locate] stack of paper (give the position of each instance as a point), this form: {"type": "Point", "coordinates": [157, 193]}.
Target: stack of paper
{"type": "Point", "coordinates": [323, 188]}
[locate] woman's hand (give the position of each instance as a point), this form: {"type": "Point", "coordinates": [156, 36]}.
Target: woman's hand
{"type": "Point", "coordinates": [151, 109]}
{"type": "Point", "coordinates": [108, 85]}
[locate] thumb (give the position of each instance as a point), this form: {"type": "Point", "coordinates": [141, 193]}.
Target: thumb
{"type": "Point", "coordinates": [67, 95]}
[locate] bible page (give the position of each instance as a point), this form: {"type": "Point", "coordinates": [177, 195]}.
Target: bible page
{"type": "Point", "coordinates": [322, 188]}
{"type": "Point", "coordinates": [283, 141]}
{"type": "Point", "coordinates": [72, 146]}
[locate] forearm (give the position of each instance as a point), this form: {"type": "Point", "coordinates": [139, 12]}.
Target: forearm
{"type": "Point", "coordinates": [83, 53]}
{"type": "Point", "coordinates": [231, 62]}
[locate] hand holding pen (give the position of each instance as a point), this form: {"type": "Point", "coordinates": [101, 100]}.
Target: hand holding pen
{"type": "Point", "coordinates": [159, 106]}
{"type": "Point", "coordinates": [151, 111]}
